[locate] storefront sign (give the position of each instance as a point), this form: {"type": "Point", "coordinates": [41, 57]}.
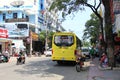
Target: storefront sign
{"type": "Point", "coordinates": [3, 33]}
{"type": "Point", "coordinates": [34, 36]}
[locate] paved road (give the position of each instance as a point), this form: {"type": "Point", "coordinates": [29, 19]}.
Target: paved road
{"type": "Point", "coordinates": [40, 68]}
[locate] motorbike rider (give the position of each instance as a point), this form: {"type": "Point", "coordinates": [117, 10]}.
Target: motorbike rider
{"type": "Point", "coordinates": [78, 55]}
{"type": "Point", "coordinates": [21, 56]}
{"type": "Point", "coordinates": [6, 55]}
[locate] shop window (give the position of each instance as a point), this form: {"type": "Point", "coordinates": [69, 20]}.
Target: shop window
{"type": "Point", "coordinates": [22, 15]}
{"type": "Point", "coordinates": [15, 15]}
{"type": "Point", "coordinates": [27, 18]}
{"type": "Point", "coordinates": [4, 16]}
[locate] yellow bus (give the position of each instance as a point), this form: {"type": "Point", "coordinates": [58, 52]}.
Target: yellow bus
{"type": "Point", "coordinates": [64, 47]}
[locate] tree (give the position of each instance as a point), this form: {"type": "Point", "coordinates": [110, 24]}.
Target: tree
{"type": "Point", "coordinates": [92, 29]}
{"type": "Point", "coordinates": [86, 43]}
{"type": "Point", "coordinates": [50, 35]}
{"type": "Point", "coordinates": [108, 31]}
{"type": "Point", "coordinates": [43, 36]}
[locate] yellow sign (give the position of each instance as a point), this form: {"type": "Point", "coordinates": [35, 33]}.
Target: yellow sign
{"type": "Point", "coordinates": [34, 36]}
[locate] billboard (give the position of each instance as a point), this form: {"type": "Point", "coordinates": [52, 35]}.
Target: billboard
{"type": "Point", "coordinates": [17, 29]}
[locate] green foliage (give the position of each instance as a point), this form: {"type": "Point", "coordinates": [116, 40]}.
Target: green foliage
{"type": "Point", "coordinates": [85, 43]}
{"type": "Point", "coordinates": [68, 6]}
{"type": "Point", "coordinates": [92, 29]}
{"type": "Point", "coordinates": [50, 35]}
{"type": "Point", "coordinates": [43, 36]}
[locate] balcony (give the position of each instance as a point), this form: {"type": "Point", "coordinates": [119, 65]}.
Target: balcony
{"type": "Point", "coordinates": [17, 20]}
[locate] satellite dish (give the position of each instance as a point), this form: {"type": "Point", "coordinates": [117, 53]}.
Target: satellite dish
{"type": "Point", "coordinates": [17, 3]}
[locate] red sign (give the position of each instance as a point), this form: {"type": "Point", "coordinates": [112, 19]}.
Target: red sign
{"type": "Point", "coordinates": [3, 33]}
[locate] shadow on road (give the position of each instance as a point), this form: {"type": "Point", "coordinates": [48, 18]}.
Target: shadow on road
{"type": "Point", "coordinates": [50, 69]}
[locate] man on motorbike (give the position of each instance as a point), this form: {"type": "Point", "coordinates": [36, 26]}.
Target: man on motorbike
{"type": "Point", "coordinates": [21, 57]}
{"type": "Point", "coordinates": [79, 55]}
{"type": "Point", "coordinates": [79, 60]}
{"type": "Point", "coordinates": [6, 55]}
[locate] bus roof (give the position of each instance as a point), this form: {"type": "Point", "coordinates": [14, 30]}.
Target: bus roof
{"type": "Point", "coordinates": [60, 33]}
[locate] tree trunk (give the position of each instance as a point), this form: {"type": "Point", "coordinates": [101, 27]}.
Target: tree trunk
{"type": "Point", "coordinates": [108, 32]}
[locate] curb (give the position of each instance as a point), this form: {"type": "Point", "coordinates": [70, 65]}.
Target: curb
{"type": "Point", "coordinates": [108, 68]}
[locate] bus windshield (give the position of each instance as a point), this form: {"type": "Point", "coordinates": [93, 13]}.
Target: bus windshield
{"type": "Point", "coordinates": [63, 40]}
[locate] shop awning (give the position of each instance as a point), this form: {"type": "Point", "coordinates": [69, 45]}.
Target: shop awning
{"type": "Point", "coordinates": [5, 40]}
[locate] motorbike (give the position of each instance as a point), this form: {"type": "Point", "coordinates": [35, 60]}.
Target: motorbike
{"type": "Point", "coordinates": [118, 58]}
{"type": "Point", "coordinates": [20, 60]}
{"type": "Point", "coordinates": [79, 64]}
{"type": "Point", "coordinates": [3, 58]}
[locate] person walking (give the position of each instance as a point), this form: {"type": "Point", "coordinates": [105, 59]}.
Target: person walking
{"type": "Point", "coordinates": [92, 53]}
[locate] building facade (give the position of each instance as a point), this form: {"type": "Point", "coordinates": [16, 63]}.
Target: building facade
{"type": "Point", "coordinates": [24, 19]}
{"type": "Point", "coordinates": [21, 18]}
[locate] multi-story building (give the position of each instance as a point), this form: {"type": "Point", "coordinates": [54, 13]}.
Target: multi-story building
{"type": "Point", "coordinates": [52, 17]}
{"type": "Point", "coordinates": [24, 19]}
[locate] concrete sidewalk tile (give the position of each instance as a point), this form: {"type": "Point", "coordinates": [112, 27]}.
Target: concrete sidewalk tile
{"type": "Point", "coordinates": [98, 73]}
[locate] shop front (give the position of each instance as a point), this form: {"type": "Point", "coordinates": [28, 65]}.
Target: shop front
{"type": "Point", "coordinates": [5, 43]}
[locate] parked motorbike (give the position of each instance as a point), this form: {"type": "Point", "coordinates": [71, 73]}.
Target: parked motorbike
{"type": "Point", "coordinates": [79, 64]}
{"type": "Point", "coordinates": [3, 58]}
{"type": "Point", "coordinates": [118, 58]}
{"type": "Point", "coordinates": [20, 60]}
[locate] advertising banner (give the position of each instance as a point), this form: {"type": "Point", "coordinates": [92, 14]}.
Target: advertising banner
{"type": "Point", "coordinates": [17, 29]}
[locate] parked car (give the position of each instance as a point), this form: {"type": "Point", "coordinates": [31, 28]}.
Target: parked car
{"type": "Point", "coordinates": [48, 52]}
{"type": "Point", "coordinates": [85, 51]}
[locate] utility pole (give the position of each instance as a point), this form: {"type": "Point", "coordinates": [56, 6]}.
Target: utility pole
{"type": "Point", "coordinates": [46, 23]}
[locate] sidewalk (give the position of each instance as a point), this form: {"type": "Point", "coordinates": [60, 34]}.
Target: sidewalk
{"type": "Point", "coordinates": [98, 73]}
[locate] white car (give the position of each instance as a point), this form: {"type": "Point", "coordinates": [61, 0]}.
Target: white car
{"type": "Point", "coordinates": [85, 51]}
{"type": "Point", "coordinates": [48, 52]}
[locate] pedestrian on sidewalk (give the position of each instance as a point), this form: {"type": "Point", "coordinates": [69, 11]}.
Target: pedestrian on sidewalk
{"type": "Point", "coordinates": [104, 60]}
{"type": "Point", "coordinates": [102, 50]}
{"type": "Point", "coordinates": [92, 53]}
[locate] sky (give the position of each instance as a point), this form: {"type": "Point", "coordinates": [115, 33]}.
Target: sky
{"type": "Point", "coordinates": [77, 23]}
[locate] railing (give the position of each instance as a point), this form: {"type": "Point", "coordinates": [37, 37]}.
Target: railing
{"type": "Point", "coordinates": [17, 20]}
